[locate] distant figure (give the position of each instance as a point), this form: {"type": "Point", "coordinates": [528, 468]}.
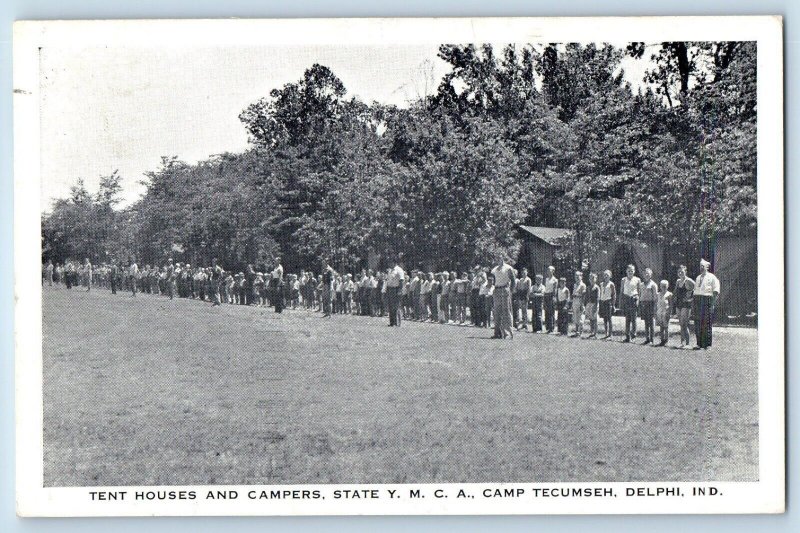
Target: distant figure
{"type": "Point", "coordinates": [394, 287]}
{"type": "Point", "coordinates": [114, 275]}
{"type": "Point", "coordinates": [327, 290]}
{"type": "Point", "coordinates": [48, 273]}
{"type": "Point", "coordinates": [69, 271]}
{"type": "Point", "coordinates": [279, 298]}
{"type": "Point", "coordinates": [87, 274]}
{"type": "Point", "coordinates": [133, 275]}
{"type": "Point", "coordinates": [172, 279]}
{"type": "Point", "coordinates": [216, 280]}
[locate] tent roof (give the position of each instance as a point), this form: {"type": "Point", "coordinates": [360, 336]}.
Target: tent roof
{"type": "Point", "coordinates": [548, 235]}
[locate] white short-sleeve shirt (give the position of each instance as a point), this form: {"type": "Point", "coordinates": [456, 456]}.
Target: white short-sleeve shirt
{"type": "Point", "coordinates": [396, 276]}
{"type": "Point", "coordinates": [630, 287]}
{"type": "Point", "coordinates": [706, 285]}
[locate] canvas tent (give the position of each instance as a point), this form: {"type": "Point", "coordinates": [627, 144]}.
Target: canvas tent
{"type": "Point", "coordinates": [734, 261]}
{"type": "Point", "coordinates": [539, 245]}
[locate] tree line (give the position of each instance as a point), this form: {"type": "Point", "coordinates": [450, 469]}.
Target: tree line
{"type": "Point", "coordinates": [544, 135]}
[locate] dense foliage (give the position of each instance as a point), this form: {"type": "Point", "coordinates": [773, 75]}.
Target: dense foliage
{"type": "Point", "coordinates": [545, 135]}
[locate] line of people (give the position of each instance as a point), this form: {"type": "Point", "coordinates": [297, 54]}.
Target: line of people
{"type": "Point", "coordinates": [500, 297]}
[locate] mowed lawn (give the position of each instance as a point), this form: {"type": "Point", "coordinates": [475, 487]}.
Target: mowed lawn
{"type": "Point", "coordinates": [149, 391]}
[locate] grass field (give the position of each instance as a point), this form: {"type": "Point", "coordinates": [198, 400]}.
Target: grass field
{"type": "Point", "coordinates": [149, 391]}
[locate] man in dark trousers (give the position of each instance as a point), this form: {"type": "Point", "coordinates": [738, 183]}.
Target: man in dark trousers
{"type": "Point", "coordinates": [216, 279]}
{"type": "Point", "coordinates": [327, 290]}
{"type": "Point", "coordinates": [278, 296]}
{"type": "Point", "coordinates": [706, 292]}
{"type": "Point", "coordinates": [116, 267]}
{"type": "Point", "coordinates": [249, 278]}
{"type": "Point", "coordinates": [394, 288]}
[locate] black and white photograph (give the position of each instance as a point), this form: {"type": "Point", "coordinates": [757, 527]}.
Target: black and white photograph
{"type": "Point", "coordinates": [428, 255]}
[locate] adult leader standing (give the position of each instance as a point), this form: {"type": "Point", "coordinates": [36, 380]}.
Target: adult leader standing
{"type": "Point", "coordinates": [706, 291]}
{"type": "Point", "coordinates": [394, 287]}
{"type": "Point", "coordinates": [328, 275]}
{"type": "Point", "coordinates": [277, 286]}
{"type": "Point", "coordinates": [504, 279]}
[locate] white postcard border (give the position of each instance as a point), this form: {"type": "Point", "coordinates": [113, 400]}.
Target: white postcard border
{"type": "Point", "coordinates": [765, 496]}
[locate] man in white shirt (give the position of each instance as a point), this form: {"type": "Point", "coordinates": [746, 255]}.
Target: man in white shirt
{"type": "Point", "coordinates": [277, 272]}
{"type": "Point", "coordinates": [394, 286]}
{"type": "Point", "coordinates": [501, 307]}
{"type": "Point", "coordinates": [133, 276]}
{"type": "Point", "coordinates": [706, 291]}
{"type": "Point", "coordinates": [87, 274]}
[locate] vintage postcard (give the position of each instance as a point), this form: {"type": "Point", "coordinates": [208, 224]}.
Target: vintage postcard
{"type": "Point", "coordinates": [399, 266]}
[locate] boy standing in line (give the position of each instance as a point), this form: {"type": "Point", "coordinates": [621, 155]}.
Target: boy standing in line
{"type": "Point", "coordinates": [629, 297]}
{"type": "Point", "coordinates": [562, 304]}
{"type": "Point", "coordinates": [444, 303]}
{"type": "Point", "coordinates": [537, 302]}
{"type": "Point", "coordinates": [484, 311]}
{"type": "Point", "coordinates": [648, 297]}
{"type": "Point", "coordinates": [454, 282]}
{"type": "Point", "coordinates": [424, 297]}
{"type": "Point", "coordinates": [592, 298]}
{"type": "Point", "coordinates": [485, 317]}
{"type": "Point", "coordinates": [522, 290]}
{"type": "Point", "coordinates": [578, 293]}
{"type": "Point", "coordinates": [663, 310]}
{"type": "Point", "coordinates": [608, 294]}
{"type": "Point", "coordinates": [434, 297]}
{"type": "Point", "coordinates": [684, 293]}
{"type": "Point", "coordinates": [464, 287]}
{"type": "Point", "coordinates": [550, 296]}
{"type": "Point", "coordinates": [475, 301]}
